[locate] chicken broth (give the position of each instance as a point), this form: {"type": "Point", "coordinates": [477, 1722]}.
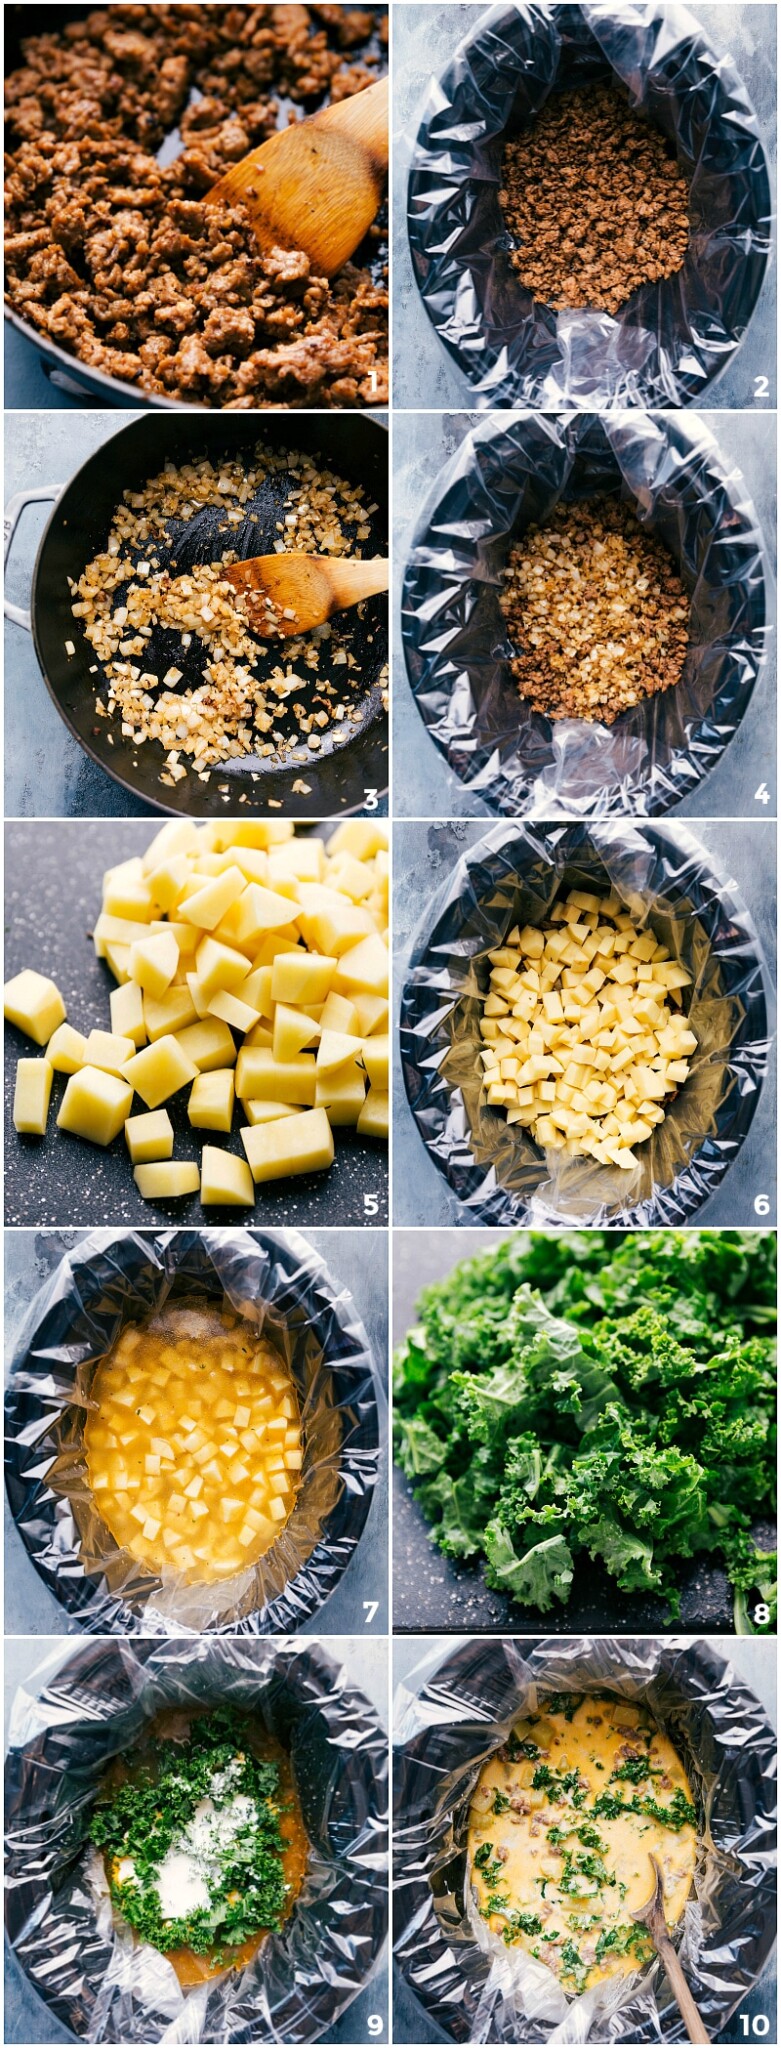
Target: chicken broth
{"type": "Point", "coordinates": [178, 1881]}
{"type": "Point", "coordinates": [193, 1442]}
{"type": "Point", "coordinates": [563, 1821]}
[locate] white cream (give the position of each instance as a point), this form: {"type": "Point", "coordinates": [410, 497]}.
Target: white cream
{"type": "Point", "coordinates": [126, 1870]}
{"type": "Point", "coordinates": [180, 1886]}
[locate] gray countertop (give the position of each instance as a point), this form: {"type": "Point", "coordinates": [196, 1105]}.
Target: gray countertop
{"type": "Point", "coordinates": [52, 898]}
{"type": "Point", "coordinates": [424, 855]}
{"type": "Point", "coordinates": [424, 41]}
{"type": "Point", "coordinates": [358, 1261]}
{"type": "Point", "coordinates": [27, 2020]}
{"type": "Point", "coordinates": [755, 1662]}
{"type": "Point", "coordinates": [424, 784]}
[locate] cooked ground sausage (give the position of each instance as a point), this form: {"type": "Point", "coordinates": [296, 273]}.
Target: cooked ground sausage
{"type": "Point", "coordinates": [114, 255]}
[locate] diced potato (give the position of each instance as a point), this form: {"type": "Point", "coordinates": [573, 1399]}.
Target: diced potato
{"type": "Point", "coordinates": [167, 1180]}
{"type": "Point", "coordinates": [260, 1111]}
{"type": "Point", "coordinates": [32, 1095]}
{"type": "Point", "coordinates": [219, 966]}
{"type": "Point", "coordinates": [364, 968]}
{"type": "Point", "coordinates": [373, 1118]}
{"type": "Point", "coordinates": [127, 1014]}
{"type": "Point", "coordinates": [261, 910]}
{"type": "Point", "coordinates": [297, 1144]}
{"type": "Point", "coordinates": [230, 1010]}
{"type": "Point", "coordinates": [153, 962]}
{"type": "Point", "coordinates": [169, 1013]}
{"type": "Point", "coordinates": [209, 904]}
{"type": "Point", "coordinates": [95, 1105]}
{"type": "Point", "coordinates": [335, 1049]}
{"type": "Point", "coordinates": [371, 1013]}
{"type": "Point", "coordinates": [342, 1093]}
{"type": "Point", "coordinates": [259, 1074]}
{"type": "Point", "coordinates": [208, 1045]}
{"type": "Point", "coordinates": [339, 1014]}
{"type": "Point", "coordinates": [212, 1095]}
{"type": "Point", "coordinates": [375, 1059]}
{"type": "Point", "coordinates": [104, 1049]}
{"type": "Point", "coordinates": [33, 1003]}
{"type": "Point", "coordinates": [361, 837]}
{"type": "Point", "coordinates": [293, 1030]}
{"type": "Point", "coordinates": [66, 1049]}
{"type": "Point", "coordinates": [150, 1136]}
{"type": "Point", "coordinates": [300, 977]}
{"type": "Point", "coordinates": [160, 1070]}
{"type": "Point", "coordinates": [225, 1178]}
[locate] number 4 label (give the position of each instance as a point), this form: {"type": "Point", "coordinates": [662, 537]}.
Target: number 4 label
{"type": "Point", "coordinates": [762, 794]}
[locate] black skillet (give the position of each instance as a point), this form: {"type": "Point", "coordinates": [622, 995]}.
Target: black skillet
{"type": "Point", "coordinates": [340, 780]}
{"type": "Point", "coordinates": [64, 370]}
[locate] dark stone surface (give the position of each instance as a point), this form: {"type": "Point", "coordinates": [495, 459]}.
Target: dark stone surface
{"type": "Point", "coordinates": [52, 900]}
{"type": "Point", "coordinates": [358, 1262]}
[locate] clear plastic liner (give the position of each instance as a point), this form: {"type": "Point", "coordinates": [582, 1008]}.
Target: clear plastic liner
{"type": "Point", "coordinates": [101, 1982]}
{"type": "Point", "coordinates": [511, 474]}
{"type": "Point", "coordinates": [282, 1286]}
{"type": "Point", "coordinates": [664, 878]}
{"type": "Point", "coordinates": [671, 337]}
{"type": "Point", "coordinates": [452, 1715]}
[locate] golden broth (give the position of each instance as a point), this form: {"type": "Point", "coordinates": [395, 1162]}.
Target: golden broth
{"type": "Point", "coordinates": [193, 1442]}
{"type": "Point", "coordinates": [579, 1888]}
{"type": "Point", "coordinates": [174, 1725]}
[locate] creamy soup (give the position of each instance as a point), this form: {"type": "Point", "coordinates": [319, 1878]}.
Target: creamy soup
{"type": "Point", "coordinates": [193, 1442]}
{"type": "Point", "coordinates": [563, 1821]}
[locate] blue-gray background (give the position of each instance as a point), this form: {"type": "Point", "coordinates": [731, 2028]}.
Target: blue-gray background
{"type": "Point", "coordinates": [755, 1661]}
{"type": "Point", "coordinates": [26, 2018]}
{"type": "Point", "coordinates": [424, 785]}
{"type": "Point", "coordinates": [358, 1261]}
{"type": "Point", "coordinates": [423, 856]}
{"type": "Point", "coordinates": [424, 40]}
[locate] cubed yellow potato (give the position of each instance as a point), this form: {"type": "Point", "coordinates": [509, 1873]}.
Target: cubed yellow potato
{"type": "Point", "coordinates": [32, 1095]}
{"type": "Point", "coordinates": [296, 1144]}
{"type": "Point", "coordinates": [335, 1048]}
{"type": "Point", "coordinates": [301, 977]}
{"type": "Point", "coordinates": [259, 1074]}
{"type": "Point", "coordinates": [362, 837]}
{"type": "Point", "coordinates": [256, 991]}
{"type": "Point", "coordinates": [65, 1050]}
{"type": "Point", "coordinates": [375, 1060]}
{"type": "Point", "coordinates": [208, 905]}
{"type": "Point", "coordinates": [177, 835]}
{"type": "Point", "coordinates": [210, 1107]}
{"type": "Point", "coordinates": [166, 1180]}
{"type": "Point", "coordinates": [95, 1105]}
{"type": "Point", "coordinates": [353, 877]}
{"type": "Point", "coordinates": [364, 967]}
{"type": "Point", "coordinates": [293, 1030]}
{"type": "Point", "coordinates": [33, 1003]}
{"type": "Point", "coordinates": [168, 881]}
{"type": "Point", "coordinates": [374, 1116]}
{"type": "Point", "coordinates": [219, 966]}
{"type": "Point", "coordinates": [371, 1013]}
{"type": "Point", "coordinates": [153, 963]}
{"type": "Point", "coordinates": [231, 1010]}
{"type": "Point", "coordinates": [342, 1093]}
{"type": "Point", "coordinates": [209, 1044]}
{"type": "Point", "coordinates": [127, 1013]}
{"type": "Point", "coordinates": [339, 1014]}
{"type": "Point", "coordinates": [171, 1012]}
{"type": "Point", "coordinates": [150, 1136]}
{"type": "Point", "coordinates": [160, 1070]}
{"type": "Point", "coordinates": [300, 860]}
{"type": "Point", "coordinates": [335, 927]}
{"type": "Point", "coordinates": [261, 1111]}
{"type": "Point", "coordinates": [105, 1049]}
{"type": "Point", "coordinates": [126, 893]}
{"type": "Point", "coordinates": [260, 911]}
{"type": "Point", "coordinates": [225, 1178]}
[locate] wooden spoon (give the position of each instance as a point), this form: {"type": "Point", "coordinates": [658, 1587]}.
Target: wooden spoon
{"type": "Point", "coordinates": [653, 1917]}
{"type": "Point", "coordinates": [317, 185]}
{"type": "Point", "coordinates": [292, 593]}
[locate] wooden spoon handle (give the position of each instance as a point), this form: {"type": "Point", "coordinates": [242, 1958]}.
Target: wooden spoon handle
{"type": "Point", "coordinates": [364, 117]}
{"type": "Point", "coordinates": [351, 581]}
{"type": "Point", "coordinates": [691, 2018]}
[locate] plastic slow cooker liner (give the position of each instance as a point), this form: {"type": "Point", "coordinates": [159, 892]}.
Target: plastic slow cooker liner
{"type": "Point", "coordinates": [282, 1286]}
{"type": "Point", "coordinates": [510, 475]}
{"type": "Point", "coordinates": [664, 878]}
{"type": "Point", "coordinates": [69, 1722]}
{"type": "Point", "coordinates": [671, 337]}
{"type": "Point", "coordinates": [452, 1715]}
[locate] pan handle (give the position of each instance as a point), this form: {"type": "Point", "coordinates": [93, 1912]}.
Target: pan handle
{"type": "Point", "coordinates": [45, 494]}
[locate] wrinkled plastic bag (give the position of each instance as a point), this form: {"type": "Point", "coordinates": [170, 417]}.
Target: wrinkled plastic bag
{"type": "Point", "coordinates": [671, 337]}
{"type": "Point", "coordinates": [282, 1286]}
{"type": "Point", "coordinates": [514, 874]}
{"type": "Point", "coordinates": [105, 1985]}
{"type": "Point", "coordinates": [509, 475]}
{"type": "Point", "coordinates": [452, 1714]}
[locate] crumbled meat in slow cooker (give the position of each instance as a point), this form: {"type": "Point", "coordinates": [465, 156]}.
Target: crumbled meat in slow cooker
{"type": "Point", "coordinates": [115, 256]}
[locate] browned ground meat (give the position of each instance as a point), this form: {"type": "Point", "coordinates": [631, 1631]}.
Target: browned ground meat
{"type": "Point", "coordinates": [116, 258]}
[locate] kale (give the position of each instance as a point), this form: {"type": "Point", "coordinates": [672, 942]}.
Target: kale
{"type": "Point", "coordinates": [144, 1816]}
{"type": "Point", "coordinates": [516, 1747]}
{"type": "Point", "coordinates": [574, 1966]}
{"type": "Point", "coordinates": [678, 1814]}
{"type": "Point", "coordinates": [621, 1940]}
{"type": "Point", "coordinates": [501, 1802]}
{"type": "Point", "coordinates": [635, 1770]}
{"type": "Point", "coordinates": [558, 1785]}
{"type": "Point", "coordinates": [523, 1923]}
{"type": "Point", "coordinates": [599, 1396]}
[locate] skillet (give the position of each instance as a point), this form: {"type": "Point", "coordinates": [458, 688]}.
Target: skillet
{"type": "Point", "coordinates": [354, 445]}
